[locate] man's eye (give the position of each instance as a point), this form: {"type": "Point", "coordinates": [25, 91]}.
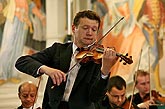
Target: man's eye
{"type": "Point", "coordinates": [85, 28]}
{"type": "Point", "coordinates": [122, 95]}
{"type": "Point", "coordinates": [94, 30]}
{"type": "Point", "coordinates": [115, 96]}
{"type": "Point", "coordinates": [32, 95]}
{"type": "Point", "coordinates": [25, 96]}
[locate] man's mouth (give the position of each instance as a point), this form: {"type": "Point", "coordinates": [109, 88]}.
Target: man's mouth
{"type": "Point", "coordinates": [88, 39]}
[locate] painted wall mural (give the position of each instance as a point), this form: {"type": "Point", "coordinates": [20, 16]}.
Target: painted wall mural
{"type": "Point", "coordinates": [140, 34]}
{"type": "Point", "coordinates": [22, 20]}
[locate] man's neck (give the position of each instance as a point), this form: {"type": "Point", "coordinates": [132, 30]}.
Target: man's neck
{"type": "Point", "coordinates": [144, 95]}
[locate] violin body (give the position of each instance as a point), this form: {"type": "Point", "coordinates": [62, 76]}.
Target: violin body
{"type": "Point", "coordinates": [96, 53]}
{"type": "Point", "coordinates": [126, 105]}
{"type": "Point", "coordinates": [158, 99]}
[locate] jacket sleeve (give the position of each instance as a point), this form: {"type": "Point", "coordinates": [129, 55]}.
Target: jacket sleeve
{"type": "Point", "coordinates": [99, 87]}
{"type": "Point", "coordinates": [30, 64]}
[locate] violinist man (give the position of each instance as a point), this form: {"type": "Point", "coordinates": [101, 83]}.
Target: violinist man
{"type": "Point", "coordinates": [27, 93]}
{"type": "Point", "coordinates": [86, 82]}
{"type": "Point", "coordinates": [115, 97]}
{"type": "Point", "coordinates": [142, 97]}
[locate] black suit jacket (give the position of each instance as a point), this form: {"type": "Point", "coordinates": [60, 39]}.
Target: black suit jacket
{"type": "Point", "coordinates": [88, 87]}
{"type": "Point", "coordinates": [105, 104]}
{"type": "Point", "coordinates": [20, 107]}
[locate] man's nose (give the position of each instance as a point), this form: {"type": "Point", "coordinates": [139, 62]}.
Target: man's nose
{"type": "Point", "coordinates": [89, 30]}
{"type": "Point", "coordinates": [119, 98]}
{"type": "Point", "coordinates": [29, 98]}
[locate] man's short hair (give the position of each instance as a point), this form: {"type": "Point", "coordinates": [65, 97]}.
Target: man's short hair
{"type": "Point", "coordinates": [116, 81]}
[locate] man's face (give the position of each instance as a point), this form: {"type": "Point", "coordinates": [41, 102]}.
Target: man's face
{"type": "Point", "coordinates": [143, 84]}
{"type": "Point", "coordinates": [116, 96]}
{"type": "Point", "coordinates": [86, 32]}
{"type": "Point", "coordinates": [27, 96]}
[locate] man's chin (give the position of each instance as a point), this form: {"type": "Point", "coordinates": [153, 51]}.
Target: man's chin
{"type": "Point", "coordinates": [147, 91]}
{"type": "Point", "coordinates": [28, 106]}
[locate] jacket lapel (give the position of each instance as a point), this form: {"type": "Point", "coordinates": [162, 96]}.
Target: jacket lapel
{"type": "Point", "coordinates": [65, 57]}
{"type": "Point", "coordinates": [82, 72]}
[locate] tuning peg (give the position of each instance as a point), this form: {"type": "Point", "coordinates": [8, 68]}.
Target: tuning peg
{"type": "Point", "coordinates": [124, 63]}
{"type": "Point", "coordinates": [126, 54]}
{"type": "Point", "coordinates": [120, 60]}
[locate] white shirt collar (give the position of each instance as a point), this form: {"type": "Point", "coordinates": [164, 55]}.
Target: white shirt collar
{"type": "Point", "coordinates": [74, 47]}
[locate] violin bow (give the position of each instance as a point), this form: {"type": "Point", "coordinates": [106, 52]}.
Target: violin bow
{"type": "Point", "coordinates": [96, 42]}
{"type": "Point", "coordinates": [135, 81]}
{"type": "Point", "coordinates": [149, 69]}
{"type": "Point", "coordinates": [37, 91]}
{"type": "Point", "coordinates": [110, 29]}
{"type": "Point", "coordinates": [90, 46]}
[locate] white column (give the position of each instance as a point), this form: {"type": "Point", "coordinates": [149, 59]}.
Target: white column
{"type": "Point", "coordinates": [56, 21]}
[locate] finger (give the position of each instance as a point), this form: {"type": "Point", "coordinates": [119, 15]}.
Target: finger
{"type": "Point", "coordinates": [107, 51]}
{"type": "Point", "coordinates": [112, 48]}
{"type": "Point", "coordinates": [53, 79]}
{"type": "Point", "coordinates": [58, 79]}
{"type": "Point", "coordinates": [110, 52]}
{"type": "Point", "coordinates": [64, 77]}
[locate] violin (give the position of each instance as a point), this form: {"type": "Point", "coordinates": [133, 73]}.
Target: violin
{"type": "Point", "coordinates": [127, 104]}
{"type": "Point", "coordinates": [158, 99]}
{"type": "Point", "coordinates": [96, 52]}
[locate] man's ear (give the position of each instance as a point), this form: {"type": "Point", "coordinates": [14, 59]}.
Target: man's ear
{"type": "Point", "coordinates": [73, 28]}
{"type": "Point", "coordinates": [107, 93]}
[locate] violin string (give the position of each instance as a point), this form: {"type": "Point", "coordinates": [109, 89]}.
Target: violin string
{"type": "Point", "coordinates": [135, 81]}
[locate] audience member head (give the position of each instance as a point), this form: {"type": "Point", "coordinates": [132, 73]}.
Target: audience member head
{"type": "Point", "coordinates": [27, 93]}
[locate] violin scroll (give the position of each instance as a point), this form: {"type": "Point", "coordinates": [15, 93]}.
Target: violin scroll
{"type": "Point", "coordinates": [125, 58]}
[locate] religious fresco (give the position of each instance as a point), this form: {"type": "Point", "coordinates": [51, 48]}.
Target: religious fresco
{"type": "Point", "coordinates": [3, 3]}
{"type": "Point", "coordinates": [23, 20]}
{"type": "Point", "coordinates": [140, 34]}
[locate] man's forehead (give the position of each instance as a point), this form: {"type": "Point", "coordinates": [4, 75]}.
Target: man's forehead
{"type": "Point", "coordinates": [143, 77]}
{"type": "Point", "coordinates": [117, 91]}
{"type": "Point", "coordinates": [27, 88]}
{"type": "Point", "coordinates": [88, 21]}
